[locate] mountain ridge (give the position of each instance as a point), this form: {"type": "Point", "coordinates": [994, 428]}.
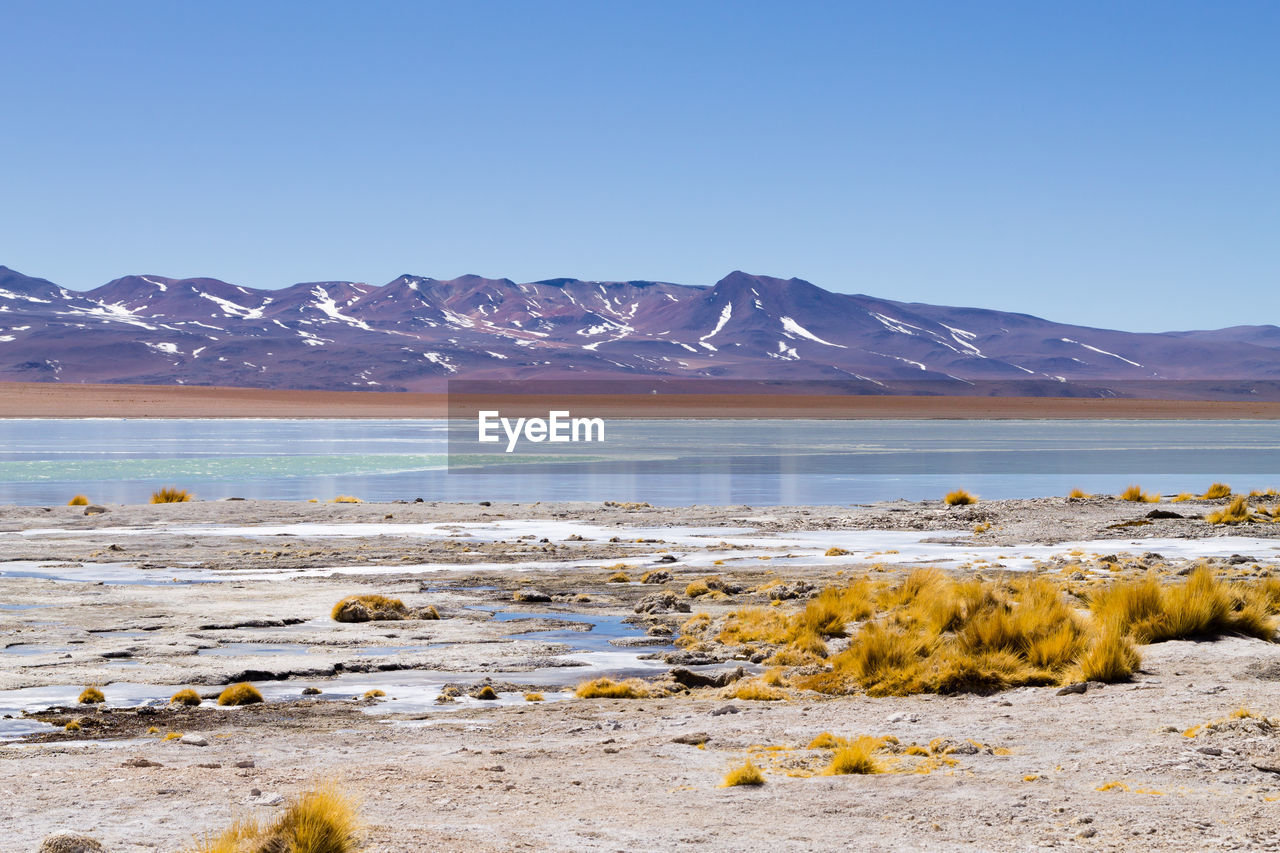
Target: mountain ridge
{"type": "Point", "coordinates": [418, 333]}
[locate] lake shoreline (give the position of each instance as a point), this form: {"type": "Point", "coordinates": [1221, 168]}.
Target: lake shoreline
{"type": "Point", "coordinates": [50, 400]}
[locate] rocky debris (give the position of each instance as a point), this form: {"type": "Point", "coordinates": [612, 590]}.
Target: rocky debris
{"type": "Point", "coordinates": [666, 558]}
{"type": "Point", "coordinates": [140, 762]}
{"type": "Point", "coordinates": [193, 740]}
{"type": "Point", "coordinates": [656, 576]}
{"type": "Point", "coordinates": [694, 739]}
{"type": "Point", "coordinates": [70, 842]}
{"type": "Point", "coordinates": [1070, 689]}
{"type": "Point", "coordinates": [530, 596]}
{"type": "Point", "coordinates": [689, 678]}
{"type": "Point", "coordinates": [1163, 513]}
{"type": "Point", "coordinates": [788, 591]}
{"type": "Point", "coordinates": [726, 709]}
{"type": "Point", "coordinates": [94, 509]}
{"type": "Point", "coordinates": [359, 608]}
{"type": "Point", "coordinates": [661, 602]}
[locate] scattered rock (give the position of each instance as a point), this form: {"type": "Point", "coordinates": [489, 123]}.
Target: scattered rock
{"type": "Point", "coordinates": [194, 740]}
{"type": "Point", "coordinates": [497, 768]}
{"type": "Point", "coordinates": [530, 596]}
{"type": "Point", "coordinates": [311, 691]}
{"type": "Point", "coordinates": [1209, 750]}
{"type": "Point", "coordinates": [1163, 513]}
{"type": "Point", "coordinates": [689, 678]}
{"type": "Point", "coordinates": [70, 842]}
{"type": "Point", "coordinates": [94, 509]}
{"type": "Point", "coordinates": [665, 558]}
{"type": "Point", "coordinates": [695, 739]}
{"type": "Point", "coordinates": [1070, 689]}
{"type": "Point", "coordinates": [1239, 560]}
{"type": "Point", "coordinates": [140, 762]}
{"type": "Point", "coordinates": [661, 602]}
{"type": "Point", "coordinates": [726, 709]}
{"type": "Point", "coordinates": [1267, 764]}
{"type": "Point", "coordinates": [245, 764]}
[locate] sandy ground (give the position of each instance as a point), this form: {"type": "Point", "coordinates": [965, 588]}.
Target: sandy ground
{"type": "Point", "coordinates": [49, 400]}
{"type": "Point", "coordinates": [143, 600]}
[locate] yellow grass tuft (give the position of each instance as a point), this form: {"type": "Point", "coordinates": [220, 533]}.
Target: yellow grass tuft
{"type": "Point", "coordinates": [745, 774]}
{"type": "Point", "coordinates": [696, 589]}
{"type": "Point", "coordinates": [833, 551]}
{"type": "Point", "coordinates": [73, 726]}
{"type": "Point", "coordinates": [487, 693]}
{"type": "Point", "coordinates": [321, 820]}
{"type": "Point", "coordinates": [170, 495]}
{"type": "Point", "coordinates": [1203, 606]}
{"type": "Point", "coordinates": [346, 499]}
{"type": "Point", "coordinates": [534, 697]}
{"type": "Point", "coordinates": [959, 498]}
{"type": "Point", "coordinates": [185, 696]}
{"type": "Point", "coordinates": [619, 577]}
{"type": "Point", "coordinates": [607, 688]}
{"type": "Point", "coordinates": [1235, 512]}
{"type": "Point", "coordinates": [827, 740]}
{"type": "Point", "coordinates": [1183, 497]}
{"type": "Point", "coordinates": [1111, 656]}
{"type": "Point", "coordinates": [755, 690]}
{"type": "Point", "coordinates": [243, 693]}
{"type": "Point", "coordinates": [855, 758]}
{"type": "Point", "coordinates": [79, 500]}
{"type": "Point", "coordinates": [374, 694]}
{"type": "Point", "coordinates": [91, 696]}
{"type": "Point", "coordinates": [1216, 491]}
{"type": "Point", "coordinates": [369, 608]}
{"type": "Point", "coordinates": [1135, 494]}
{"type": "Point", "coordinates": [1078, 494]}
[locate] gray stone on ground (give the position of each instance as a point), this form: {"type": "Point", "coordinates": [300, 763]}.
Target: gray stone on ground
{"type": "Point", "coordinates": [70, 842]}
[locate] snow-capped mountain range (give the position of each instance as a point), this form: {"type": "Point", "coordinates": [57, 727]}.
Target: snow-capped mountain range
{"type": "Point", "coordinates": [415, 333]}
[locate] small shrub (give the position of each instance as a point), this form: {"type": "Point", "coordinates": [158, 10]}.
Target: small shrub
{"type": "Point", "coordinates": [73, 726]}
{"type": "Point", "coordinates": [827, 740]}
{"type": "Point", "coordinates": [855, 758]}
{"type": "Point", "coordinates": [243, 693]}
{"type": "Point", "coordinates": [487, 693]}
{"type": "Point", "coordinates": [91, 696]}
{"type": "Point", "coordinates": [374, 694]}
{"type": "Point", "coordinates": [185, 696]}
{"type": "Point", "coordinates": [1216, 491]}
{"type": "Point", "coordinates": [429, 613]}
{"type": "Point", "coordinates": [1134, 494]}
{"type": "Point", "coordinates": [346, 499]}
{"type": "Point", "coordinates": [1236, 512]}
{"type": "Point", "coordinates": [1111, 656]}
{"type": "Point", "coordinates": [696, 589]}
{"type": "Point", "coordinates": [369, 608]}
{"type": "Point", "coordinates": [619, 577]}
{"type": "Point", "coordinates": [534, 697]}
{"type": "Point", "coordinates": [170, 495]}
{"type": "Point", "coordinates": [833, 551]}
{"type": "Point", "coordinates": [1078, 494]}
{"type": "Point", "coordinates": [321, 820]}
{"type": "Point", "coordinates": [959, 498]}
{"type": "Point", "coordinates": [746, 774]}
{"type": "Point", "coordinates": [754, 690]}
{"type": "Point", "coordinates": [79, 500]}
{"type": "Point", "coordinates": [607, 688]}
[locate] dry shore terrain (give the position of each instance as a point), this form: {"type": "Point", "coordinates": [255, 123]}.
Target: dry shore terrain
{"type": "Point", "coordinates": [50, 400]}
{"type": "Point", "coordinates": [145, 600]}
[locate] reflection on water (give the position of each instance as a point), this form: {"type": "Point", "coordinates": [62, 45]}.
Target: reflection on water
{"type": "Point", "coordinates": [756, 462]}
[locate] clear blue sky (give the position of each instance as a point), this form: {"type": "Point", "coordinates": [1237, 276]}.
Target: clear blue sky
{"type": "Point", "coordinates": [1109, 163]}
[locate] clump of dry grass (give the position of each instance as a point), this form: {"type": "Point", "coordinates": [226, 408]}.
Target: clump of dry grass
{"type": "Point", "coordinates": [1134, 494]}
{"type": "Point", "coordinates": [1216, 491]}
{"type": "Point", "coordinates": [79, 500]}
{"type": "Point", "coordinates": [321, 820]}
{"type": "Point", "coordinates": [619, 577]}
{"type": "Point", "coordinates": [1078, 494]}
{"type": "Point", "coordinates": [487, 693]}
{"type": "Point", "coordinates": [72, 726]}
{"type": "Point", "coordinates": [1203, 606]}
{"type": "Point", "coordinates": [827, 740]}
{"type": "Point", "coordinates": [185, 696]}
{"type": "Point", "coordinates": [346, 499]}
{"type": "Point", "coordinates": [607, 688]}
{"type": "Point", "coordinates": [755, 690]}
{"type": "Point", "coordinates": [1236, 512]}
{"type": "Point", "coordinates": [534, 697]}
{"type": "Point", "coordinates": [834, 551]}
{"type": "Point", "coordinates": [369, 608]}
{"type": "Point", "coordinates": [1110, 657]}
{"type": "Point", "coordinates": [374, 694]}
{"type": "Point", "coordinates": [856, 757]}
{"type": "Point", "coordinates": [243, 693]}
{"type": "Point", "coordinates": [697, 588]}
{"type": "Point", "coordinates": [91, 696]}
{"type": "Point", "coordinates": [959, 497]}
{"type": "Point", "coordinates": [745, 774]}
{"type": "Point", "coordinates": [170, 495]}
